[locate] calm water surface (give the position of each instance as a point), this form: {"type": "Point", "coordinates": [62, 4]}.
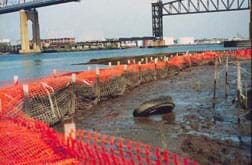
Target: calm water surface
{"type": "Point", "coordinates": [39, 65]}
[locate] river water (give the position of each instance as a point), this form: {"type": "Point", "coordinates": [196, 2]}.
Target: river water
{"type": "Point", "coordinates": [39, 65]}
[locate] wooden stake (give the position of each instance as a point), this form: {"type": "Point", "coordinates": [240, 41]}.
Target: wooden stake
{"type": "Point", "coordinates": [27, 106]}
{"type": "Point", "coordinates": [125, 67]}
{"type": "Point", "coordinates": [69, 130]}
{"type": "Point", "coordinates": [97, 85]}
{"type": "Point", "coordinates": [215, 82]}
{"type": "Point", "coordinates": [73, 96]}
{"type": "Point", "coordinates": [128, 62]}
{"type": "Point", "coordinates": [140, 72]}
{"type": "Point", "coordinates": [226, 78]}
{"type": "Point", "coordinates": [155, 71]}
{"type": "Point", "coordinates": [238, 90]}
{"type": "Point", "coordinates": [146, 60]}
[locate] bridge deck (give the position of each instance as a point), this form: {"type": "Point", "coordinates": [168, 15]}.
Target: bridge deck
{"type": "Point", "coordinates": [31, 4]}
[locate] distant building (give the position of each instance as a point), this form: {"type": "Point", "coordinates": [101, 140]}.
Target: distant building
{"type": "Point", "coordinates": [5, 41]}
{"type": "Point", "coordinates": [57, 41]}
{"type": "Point", "coordinates": [186, 40]}
{"type": "Point", "coordinates": [168, 41]}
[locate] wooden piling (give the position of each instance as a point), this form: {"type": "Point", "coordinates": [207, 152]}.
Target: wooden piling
{"type": "Point", "coordinates": [226, 78]}
{"type": "Point", "coordinates": [215, 83]}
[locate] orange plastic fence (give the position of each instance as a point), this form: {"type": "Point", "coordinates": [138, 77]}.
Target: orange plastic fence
{"type": "Point", "coordinates": [28, 141]}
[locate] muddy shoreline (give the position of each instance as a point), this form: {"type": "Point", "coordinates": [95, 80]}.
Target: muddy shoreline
{"type": "Point", "coordinates": [194, 129]}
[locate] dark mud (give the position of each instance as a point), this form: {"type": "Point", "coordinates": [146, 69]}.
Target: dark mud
{"type": "Point", "coordinates": [193, 129]}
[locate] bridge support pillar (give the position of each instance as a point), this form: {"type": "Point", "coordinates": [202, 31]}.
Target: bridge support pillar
{"type": "Point", "coordinates": [25, 16]}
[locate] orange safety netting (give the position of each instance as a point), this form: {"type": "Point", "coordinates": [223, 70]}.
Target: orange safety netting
{"type": "Point", "coordinates": [28, 141]}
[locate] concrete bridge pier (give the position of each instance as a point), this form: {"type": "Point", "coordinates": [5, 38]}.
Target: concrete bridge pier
{"type": "Point", "coordinates": [25, 16]}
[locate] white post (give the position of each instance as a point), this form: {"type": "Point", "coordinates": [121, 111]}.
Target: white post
{"type": "Point", "coordinates": [125, 67]}
{"type": "Point", "coordinates": [146, 60]}
{"type": "Point", "coordinates": [118, 63]}
{"type": "Point", "coordinates": [97, 85]}
{"type": "Point", "coordinates": [110, 64]}
{"type": "Point", "coordinates": [54, 72]}
{"type": "Point", "coordinates": [15, 79]}
{"type": "Point", "coordinates": [69, 131]}
{"type": "Point", "coordinates": [128, 62]}
{"type": "Point", "coordinates": [26, 98]}
{"type": "Point", "coordinates": [88, 68]}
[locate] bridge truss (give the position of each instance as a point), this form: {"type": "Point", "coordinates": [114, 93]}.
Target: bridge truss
{"type": "Point", "coordinates": [181, 7]}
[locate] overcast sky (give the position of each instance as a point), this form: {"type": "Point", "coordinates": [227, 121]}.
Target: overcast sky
{"type": "Point", "coordinates": [98, 19]}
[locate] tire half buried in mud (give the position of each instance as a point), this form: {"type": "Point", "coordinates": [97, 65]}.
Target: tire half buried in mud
{"type": "Point", "coordinates": [161, 105]}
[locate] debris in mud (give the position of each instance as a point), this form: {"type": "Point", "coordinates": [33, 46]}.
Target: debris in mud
{"type": "Point", "coordinates": [161, 105]}
{"type": "Point", "coordinates": [209, 151]}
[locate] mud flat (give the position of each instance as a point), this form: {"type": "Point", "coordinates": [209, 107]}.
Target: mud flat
{"type": "Point", "coordinates": [124, 59]}
{"type": "Point", "coordinates": [194, 129]}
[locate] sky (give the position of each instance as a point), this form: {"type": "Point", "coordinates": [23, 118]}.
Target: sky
{"type": "Point", "coordinates": [99, 19]}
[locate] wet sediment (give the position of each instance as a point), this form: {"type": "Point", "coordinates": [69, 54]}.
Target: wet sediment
{"type": "Point", "coordinates": [194, 129]}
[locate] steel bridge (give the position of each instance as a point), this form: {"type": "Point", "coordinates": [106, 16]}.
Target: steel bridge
{"type": "Point", "coordinates": [182, 7]}
{"type": "Point", "coordinates": [27, 10]}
